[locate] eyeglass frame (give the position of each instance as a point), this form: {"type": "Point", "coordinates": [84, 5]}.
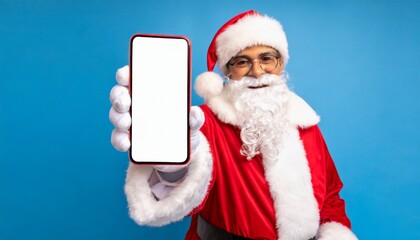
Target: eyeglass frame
{"type": "Point", "coordinates": [276, 55]}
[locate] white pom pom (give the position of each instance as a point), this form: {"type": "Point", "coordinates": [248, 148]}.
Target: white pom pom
{"type": "Point", "coordinates": [208, 84]}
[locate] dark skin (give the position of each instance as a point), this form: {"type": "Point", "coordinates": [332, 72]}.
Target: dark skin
{"type": "Point", "coordinates": [253, 53]}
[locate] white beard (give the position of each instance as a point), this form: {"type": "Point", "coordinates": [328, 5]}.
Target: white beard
{"type": "Point", "coordinates": [261, 113]}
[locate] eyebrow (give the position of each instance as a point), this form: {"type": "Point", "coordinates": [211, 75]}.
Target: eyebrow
{"type": "Point", "coordinates": [259, 55]}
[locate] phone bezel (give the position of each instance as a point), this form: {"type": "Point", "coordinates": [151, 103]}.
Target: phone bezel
{"type": "Point", "coordinates": [188, 95]}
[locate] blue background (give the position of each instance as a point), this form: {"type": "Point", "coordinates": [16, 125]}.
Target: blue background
{"type": "Point", "coordinates": [356, 62]}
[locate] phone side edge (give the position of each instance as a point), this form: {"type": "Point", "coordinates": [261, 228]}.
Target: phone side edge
{"type": "Point", "coordinates": [189, 89]}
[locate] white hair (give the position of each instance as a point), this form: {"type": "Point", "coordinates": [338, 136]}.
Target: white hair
{"type": "Point", "coordinates": [261, 112]}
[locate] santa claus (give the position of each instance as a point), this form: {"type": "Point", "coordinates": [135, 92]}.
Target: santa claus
{"type": "Point", "coordinates": [259, 168]}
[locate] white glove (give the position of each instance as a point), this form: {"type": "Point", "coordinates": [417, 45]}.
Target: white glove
{"type": "Point", "coordinates": [165, 177]}
{"type": "Point", "coordinates": [120, 117]}
{"type": "Point", "coordinates": [196, 121]}
{"type": "Point", "coordinates": [118, 114]}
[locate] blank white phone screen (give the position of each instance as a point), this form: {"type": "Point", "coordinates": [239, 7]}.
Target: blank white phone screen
{"type": "Point", "coordinates": [160, 100]}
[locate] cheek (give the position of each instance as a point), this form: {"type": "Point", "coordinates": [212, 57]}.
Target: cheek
{"type": "Point", "coordinates": [278, 70]}
{"type": "Point", "coordinates": [235, 77]}
{"type": "Point", "coordinates": [281, 67]}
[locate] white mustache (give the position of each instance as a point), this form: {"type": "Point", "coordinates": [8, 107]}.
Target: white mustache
{"type": "Point", "coordinates": [252, 82]}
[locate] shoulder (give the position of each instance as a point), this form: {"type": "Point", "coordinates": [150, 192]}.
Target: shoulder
{"type": "Point", "coordinates": [210, 120]}
{"type": "Point", "coordinates": [208, 114]}
{"type": "Point", "coordinates": [300, 114]}
{"type": "Point", "coordinates": [205, 108]}
{"type": "Point", "coordinates": [310, 134]}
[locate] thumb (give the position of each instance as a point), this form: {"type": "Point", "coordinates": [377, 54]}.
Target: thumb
{"type": "Point", "coordinates": [196, 118]}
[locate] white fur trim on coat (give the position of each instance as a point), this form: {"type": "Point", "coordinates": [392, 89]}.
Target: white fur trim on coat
{"type": "Point", "coordinates": [145, 209]}
{"type": "Point", "coordinates": [288, 174]}
{"type": "Point", "coordinates": [289, 179]}
{"type": "Point", "coordinates": [300, 114]}
{"type": "Point", "coordinates": [334, 231]}
{"type": "Point", "coordinates": [223, 109]}
{"type": "Point", "coordinates": [250, 30]}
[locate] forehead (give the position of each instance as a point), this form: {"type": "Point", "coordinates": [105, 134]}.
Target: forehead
{"type": "Point", "coordinates": [254, 51]}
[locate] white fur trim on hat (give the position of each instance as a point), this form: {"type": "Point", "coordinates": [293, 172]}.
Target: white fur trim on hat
{"type": "Point", "coordinates": [208, 85]}
{"type": "Point", "coordinates": [251, 30]}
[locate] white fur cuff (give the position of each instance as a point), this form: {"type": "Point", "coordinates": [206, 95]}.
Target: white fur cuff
{"type": "Point", "coordinates": [145, 209]}
{"type": "Point", "coordinates": [334, 231]}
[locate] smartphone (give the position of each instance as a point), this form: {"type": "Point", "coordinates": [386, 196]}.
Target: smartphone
{"type": "Point", "coordinates": [160, 88]}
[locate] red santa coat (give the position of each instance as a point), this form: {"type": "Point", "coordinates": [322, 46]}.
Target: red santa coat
{"type": "Point", "coordinates": [239, 199]}
{"type": "Point", "coordinates": [294, 195]}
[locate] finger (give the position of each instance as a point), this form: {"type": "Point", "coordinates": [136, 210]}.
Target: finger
{"type": "Point", "coordinates": [196, 118]}
{"type": "Point", "coordinates": [120, 98]}
{"type": "Point", "coordinates": [121, 121]}
{"type": "Point", "coordinates": [120, 140]}
{"type": "Point", "coordinates": [195, 141]}
{"type": "Point", "coordinates": [123, 75]}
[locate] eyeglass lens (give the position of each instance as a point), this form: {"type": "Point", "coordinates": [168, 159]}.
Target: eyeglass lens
{"type": "Point", "coordinates": [267, 62]}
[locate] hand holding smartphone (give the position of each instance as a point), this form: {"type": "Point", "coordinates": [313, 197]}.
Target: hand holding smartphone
{"type": "Point", "coordinates": [160, 88]}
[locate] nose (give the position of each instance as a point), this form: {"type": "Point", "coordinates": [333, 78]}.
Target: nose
{"type": "Point", "coordinates": [256, 70]}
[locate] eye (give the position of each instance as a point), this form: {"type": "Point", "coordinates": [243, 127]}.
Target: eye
{"type": "Point", "coordinates": [267, 59]}
{"type": "Point", "coordinates": [240, 63]}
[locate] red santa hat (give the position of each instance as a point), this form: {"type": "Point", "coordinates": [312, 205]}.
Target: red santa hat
{"type": "Point", "coordinates": [244, 30]}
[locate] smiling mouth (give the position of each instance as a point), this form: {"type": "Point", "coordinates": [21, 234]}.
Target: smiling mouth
{"type": "Point", "coordinates": [256, 87]}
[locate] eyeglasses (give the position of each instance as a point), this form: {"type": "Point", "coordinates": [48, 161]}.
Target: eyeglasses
{"type": "Point", "coordinates": [241, 65]}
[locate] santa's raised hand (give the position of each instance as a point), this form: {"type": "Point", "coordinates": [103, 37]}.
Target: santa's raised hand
{"type": "Point", "coordinates": [119, 114]}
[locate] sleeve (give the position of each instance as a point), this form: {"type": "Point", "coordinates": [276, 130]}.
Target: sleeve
{"type": "Point", "coordinates": [333, 219]}
{"type": "Point", "coordinates": [333, 208]}
{"type": "Point", "coordinates": [146, 209]}
{"type": "Point", "coordinates": [334, 223]}
{"type": "Point", "coordinates": [162, 183]}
